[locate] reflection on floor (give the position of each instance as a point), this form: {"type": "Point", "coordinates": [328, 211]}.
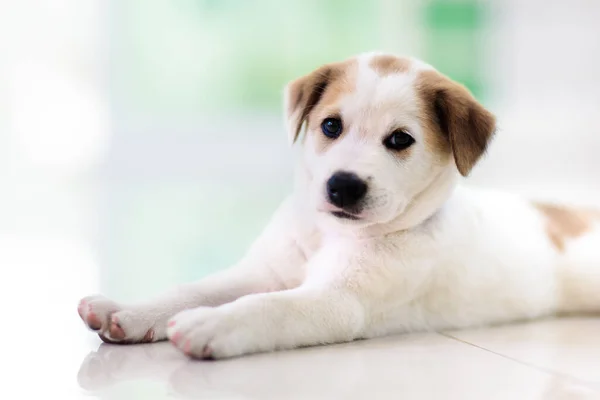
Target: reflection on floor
{"type": "Point", "coordinates": [549, 359]}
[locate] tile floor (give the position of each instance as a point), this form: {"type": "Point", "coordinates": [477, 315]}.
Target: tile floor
{"type": "Point", "coordinates": [548, 359]}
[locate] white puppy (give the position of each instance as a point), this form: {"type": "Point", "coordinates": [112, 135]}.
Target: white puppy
{"type": "Point", "coordinates": [377, 237]}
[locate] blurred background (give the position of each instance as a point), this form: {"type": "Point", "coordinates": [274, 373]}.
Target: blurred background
{"type": "Point", "coordinates": [142, 142]}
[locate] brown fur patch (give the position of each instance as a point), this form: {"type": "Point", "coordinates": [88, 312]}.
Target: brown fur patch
{"type": "Point", "coordinates": [459, 120]}
{"type": "Point", "coordinates": [563, 223]}
{"type": "Point", "coordinates": [344, 85]}
{"type": "Point", "coordinates": [435, 141]}
{"type": "Point", "coordinates": [341, 82]}
{"type": "Point", "coordinates": [385, 65]}
{"type": "Point", "coordinates": [318, 91]}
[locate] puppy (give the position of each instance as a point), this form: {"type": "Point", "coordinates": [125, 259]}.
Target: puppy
{"type": "Point", "coordinates": [378, 236]}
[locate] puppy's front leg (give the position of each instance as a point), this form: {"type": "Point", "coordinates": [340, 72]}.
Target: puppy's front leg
{"type": "Point", "coordinates": [325, 309]}
{"type": "Point", "coordinates": [259, 271]}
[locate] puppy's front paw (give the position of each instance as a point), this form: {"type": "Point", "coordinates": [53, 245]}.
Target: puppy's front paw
{"type": "Point", "coordinates": [113, 324]}
{"type": "Point", "coordinates": [212, 333]}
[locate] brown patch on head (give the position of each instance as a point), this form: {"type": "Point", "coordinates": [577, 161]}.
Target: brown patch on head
{"type": "Point", "coordinates": [387, 65]}
{"type": "Point", "coordinates": [315, 92]}
{"type": "Point", "coordinates": [563, 223]}
{"type": "Point", "coordinates": [435, 141]}
{"type": "Point", "coordinates": [454, 118]}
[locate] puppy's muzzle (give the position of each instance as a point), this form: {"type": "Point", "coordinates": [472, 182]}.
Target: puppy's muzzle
{"type": "Point", "coordinates": [345, 190]}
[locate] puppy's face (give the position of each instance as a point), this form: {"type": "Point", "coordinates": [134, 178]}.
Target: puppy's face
{"type": "Point", "coordinates": [379, 131]}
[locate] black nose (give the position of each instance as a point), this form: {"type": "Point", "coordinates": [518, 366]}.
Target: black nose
{"type": "Point", "coordinates": [345, 189]}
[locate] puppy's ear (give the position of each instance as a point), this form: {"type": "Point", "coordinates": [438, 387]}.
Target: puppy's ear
{"type": "Point", "coordinates": [301, 96]}
{"type": "Point", "coordinates": [466, 124]}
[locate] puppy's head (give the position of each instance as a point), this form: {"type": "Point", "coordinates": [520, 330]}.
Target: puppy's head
{"type": "Point", "coordinates": [380, 131]}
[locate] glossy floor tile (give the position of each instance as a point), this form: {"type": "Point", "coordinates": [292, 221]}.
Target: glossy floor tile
{"type": "Point", "coordinates": [554, 359]}
{"type": "Point", "coordinates": [427, 366]}
{"type": "Point", "coordinates": [567, 347]}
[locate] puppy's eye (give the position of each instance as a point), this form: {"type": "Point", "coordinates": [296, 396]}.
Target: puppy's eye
{"type": "Point", "coordinates": [398, 140]}
{"type": "Point", "coordinates": [332, 127]}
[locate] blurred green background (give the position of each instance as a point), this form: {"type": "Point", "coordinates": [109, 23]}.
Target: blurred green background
{"type": "Point", "coordinates": [184, 56]}
{"type": "Point", "coordinates": [142, 143]}
{"type": "Point", "coordinates": [148, 135]}
{"type": "Point", "coordinates": [148, 138]}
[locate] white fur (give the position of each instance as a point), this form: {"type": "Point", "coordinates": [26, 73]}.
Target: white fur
{"type": "Point", "coordinates": [428, 254]}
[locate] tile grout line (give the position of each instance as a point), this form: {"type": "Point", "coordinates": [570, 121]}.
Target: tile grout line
{"type": "Point", "coordinates": [561, 375]}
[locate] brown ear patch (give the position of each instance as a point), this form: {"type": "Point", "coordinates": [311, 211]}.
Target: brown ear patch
{"type": "Point", "coordinates": [304, 94]}
{"type": "Point", "coordinates": [387, 65]}
{"type": "Point", "coordinates": [322, 85]}
{"type": "Point", "coordinates": [465, 123]}
{"type": "Point", "coordinates": [564, 223]}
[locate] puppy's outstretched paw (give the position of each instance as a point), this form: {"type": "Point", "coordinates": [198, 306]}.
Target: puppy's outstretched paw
{"type": "Point", "coordinates": [115, 324]}
{"type": "Point", "coordinates": [214, 333]}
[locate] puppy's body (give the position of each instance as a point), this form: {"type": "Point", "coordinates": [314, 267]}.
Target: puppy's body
{"type": "Point", "coordinates": [378, 237]}
{"type": "Point", "coordinates": [484, 257]}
